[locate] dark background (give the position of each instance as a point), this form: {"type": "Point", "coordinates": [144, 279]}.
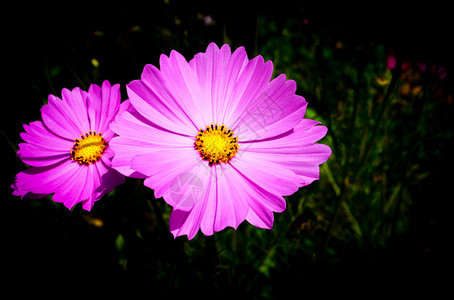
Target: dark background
{"type": "Point", "coordinates": [49, 48]}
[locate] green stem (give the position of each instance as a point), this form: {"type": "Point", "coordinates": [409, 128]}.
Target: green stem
{"type": "Point", "coordinates": [340, 192]}
{"type": "Point", "coordinates": [332, 224]}
{"type": "Point", "coordinates": [386, 98]}
{"type": "Point", "coordinates": [157, 211]}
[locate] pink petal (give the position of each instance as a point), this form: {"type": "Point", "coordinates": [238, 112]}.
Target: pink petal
{"type": "Point", "coordinates": [251, 83]}
{"type": "Point", "coordinates": [162, 167]}
{"type": "Point", "coordinates": [92, 182]}
{"type": "Point", "coordinates": [151, 98]}
{"type": "Point", "coordinates": [57, 117]}
{"type": "Point", "coordinates": [111, 99]}
{"type": "Point", "coordinates": [100, 180]}
{"type": "Point", "coordinates": [231, 201]}
{"type": "Point", "coordinates": [228, 199]}
{"type": "Point", "coordinates": [308, 172]}
{"type": "Point", "coordinates": [183, 85]}
{"type": "Point", "coordinates": [267, 174]}
{"type": "Point", "coordinates": [260, 217]}
{"type": "Point", "coordinates": [208, 67]}
{"type": "Point", "coordinates": [189, 222]}
{"type": "Point", "coordinates": [94, 107]}
{"type": "Point", "coordinates": [302, 155]}
{"type": "Point", "coordinates": [71, 191]}
{"type": "Point", "coordinates": [275, 111]}
{"type": "Point", "coordinates": [76, 105]}
{"type": "Point", "coordinates": [39, 157]}
{"type": "Point", "coordinates": [96, 190]}
{"type": "Point", "coordinates": [306, 124]}
{"type": "Point", "coordinates": [185, 189]}
{"type": "Point", "coordinates": [217, 72]}
{"type": "Point", "coordinates": [110, 178]}
{"type": "Point", "coordinates": [125, 106]}
{"type": "Point", "coordinates": [205, 210]}
{"type": "Point", "coordinates": [292, 142]}
{"type": "Point", "coordinates": [155, 162]}
{"type": "Point", "coordinates": [133, 126]}
{"type": "Point", "coordinates": [167, 187]}
{"type": "Point", "coordinates": [125, 149]}
{"type": "Point", "coordinates": [260, 197]}
{"type": "Point", "coordinates": [43, 180]}
{"type": "Point", "coordinates": [307, 164]}
{"type": "Point", "coordinates": [102, 105]}
{"type": "Point", "coordinates": [36, 133]}
{"type": "Point", "coordinates": [43, 148]}
{"type": "Point", "coordinates": [262, 204]}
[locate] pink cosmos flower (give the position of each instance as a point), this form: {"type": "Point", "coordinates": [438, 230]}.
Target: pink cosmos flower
{"type": "Point", "coordinates": [218, 140]}
{"type": "Point", "coordinates": [69, 150]}
{"type": "Point", "coordinates": [391, 62]}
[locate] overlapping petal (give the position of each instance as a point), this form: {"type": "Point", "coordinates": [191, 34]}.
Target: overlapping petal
{"type": "Point", "coordinates": [42, 147]}
{"type": "Point", "coordinates": [274, 111]}
{"type": "Point", "coordinates": [103, 104]}
{"type": "Point", "coordinates": [296, 150]}
{"type": "Point", "coordinates": [218, 72]}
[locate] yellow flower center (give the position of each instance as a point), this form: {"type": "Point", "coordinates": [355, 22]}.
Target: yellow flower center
{"type": "Point", "coordinates": [89, 148]}
{"type": "Point", "coordinates": [216, 144]}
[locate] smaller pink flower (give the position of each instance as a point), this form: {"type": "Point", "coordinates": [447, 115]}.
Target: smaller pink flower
{"type": "Point", "coordinates": [391, 62]}
{"type": "Point", "coordinates": [69, 150]}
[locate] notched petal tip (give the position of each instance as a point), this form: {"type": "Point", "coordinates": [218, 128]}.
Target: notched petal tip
{"type": "Point", "coordinates": [213, 45]}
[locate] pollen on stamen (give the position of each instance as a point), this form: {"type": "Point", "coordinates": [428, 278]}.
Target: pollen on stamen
{"type": "Point", "coordinates": [89, 148]}
{"type": "Point", "coordinates": [216, 144]}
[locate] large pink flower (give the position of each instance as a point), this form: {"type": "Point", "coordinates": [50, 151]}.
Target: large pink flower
{"type": "Point", "coordinates": [218, 140]}
{"type": "Point", "coordinates": [69, 150]}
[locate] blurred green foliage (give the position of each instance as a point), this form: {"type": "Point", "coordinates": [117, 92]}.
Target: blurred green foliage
{"type": "Point", "coordinates": [379, 204]}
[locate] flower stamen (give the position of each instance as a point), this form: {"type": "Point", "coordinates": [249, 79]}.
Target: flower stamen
{"type": "Point", "coordinates": [89, 148]}
{"type": "Point", "coordinates": [216, 144]}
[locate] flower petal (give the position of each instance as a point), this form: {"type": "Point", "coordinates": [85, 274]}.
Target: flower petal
{"type": "Point", "coordinates": [186, 189]}
{"type": "Point", "coordinates": [275, 111]}
{"type": "Point", "coordinates": [228, 199]}
{"type": "Point", "coordinates": [231, 201]}
{"type": "Point", "coordinates": [37, 134]}
{"type": "Point", "coordinates": [183, 85]}
{"type": "Point", "coordinates": [163, 167]}
{"type": "Point", "coordinates": [43, 148]}
{"type": "Point", "coordinates": [39, 157]}
{"type": "Point", "coordinates": [109, 179]}
{"type": "Point", "coordinates": [251, 83]}
{"type": "Point", "coordinates": [269, 175]}
{"type": "Point", "coordinates": [111, 98]}
{"type": "Point", "coordinates": [296, 150]}
{"type": "Point", "coordinates": [259, 216]}
{"type": "Point", "coordinates": [188, 223]}
{"type": "Point", "coordinates": [125, 149]}
{"type": "Point", "coordinates": [72, 191]}
{"type": "Point", "coordinates": [151, 98]}
{"type": "Point", "coordinates": [59, 120]}
{"type": "Point", "coordinates": [133, 126]}
{"type": "Point", "coordinates": [217, 72]}
{"type": "Point", "coordinates": [94, 107]}
{"type": "Point", "coordinates": [293, 142]}
{"type": "Point", "coordinates": [76, 105]}
{"type": "Point", "coordinates": [43, 180]}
